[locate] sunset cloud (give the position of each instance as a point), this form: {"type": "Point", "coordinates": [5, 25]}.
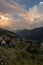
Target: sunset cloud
{"type": "Point", "coordinates": [16, 16]}
{"type": "Point", "coordinates": [34, 16]}
{"type": "Point", "coordinates": [5, 20]}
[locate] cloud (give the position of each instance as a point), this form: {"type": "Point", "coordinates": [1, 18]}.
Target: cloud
{"type": "Point", "coordinates": [5, 20]}
{"type": "Point", "coordinates": [40, 3]}
{"type": "Point", "coordinates": [15, 16]}
{"type": "Point", "coordinates": [34, 16]}
{"type": "Point", "coordinates": [9, 6]}
{"type": "Point", "coordinates": [30, 15]}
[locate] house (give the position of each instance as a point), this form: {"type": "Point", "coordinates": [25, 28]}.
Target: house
{"type": "Point", "coordinates": [12, 43]}
{"type": "Point", "coordinates": [3, 43]}
{"type": "Point", "coordinates": [41, 43]}
{"type": "Point", "coordinates": [34, 46]}
{"type": "Point", "coordinates": [1, 38]}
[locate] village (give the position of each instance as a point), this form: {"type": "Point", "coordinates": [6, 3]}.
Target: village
{"type": "Point", "coordinates": [7, 41]}
{"type": "Point", "coordinates": [31, 46]}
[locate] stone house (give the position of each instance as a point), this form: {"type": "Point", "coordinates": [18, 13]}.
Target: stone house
{"type": "Point", "coordinates": [3, 43]}
{"type": "Point", "coordinates": [12, 43]}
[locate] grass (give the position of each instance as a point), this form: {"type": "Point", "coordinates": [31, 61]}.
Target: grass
{"type": "Point", "coordinates": [11, 56]}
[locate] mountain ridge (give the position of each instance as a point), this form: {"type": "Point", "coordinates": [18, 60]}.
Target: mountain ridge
{"type": "Point", "coordinates": [34, 34]}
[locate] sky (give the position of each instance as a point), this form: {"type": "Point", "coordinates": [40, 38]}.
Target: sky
{"type": "Point", "coordinates": [21, 14]}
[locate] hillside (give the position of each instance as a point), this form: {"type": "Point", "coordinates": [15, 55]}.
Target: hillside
{"type": "Point", "coordinates": [14, 51]}
{"type": "Point", "coordinates": [8, 33]}
{"type": "Point", "coordinates": [34, 34]}
{"type": "Point", "coordinates": [8, 38]}
{"type": "Point", "coordinates": [11, 56]}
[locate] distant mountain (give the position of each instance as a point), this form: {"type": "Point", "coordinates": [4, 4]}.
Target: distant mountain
{"type": "Point", "coordinates": [34, 34]}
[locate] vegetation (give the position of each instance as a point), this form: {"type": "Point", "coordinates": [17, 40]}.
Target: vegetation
{"type": "Point", "coordinates": [18, 55]}
{"type": "Point", "coordinates": [11, 56]}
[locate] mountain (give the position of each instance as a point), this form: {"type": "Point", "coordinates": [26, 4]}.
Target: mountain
{"type": "Point", "coordinates": [8, 33]}
{"type": "Point", "coordinates": [34, 34]}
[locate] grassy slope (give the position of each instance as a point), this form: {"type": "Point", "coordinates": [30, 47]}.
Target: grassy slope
{"type": "Point", "coordinates": [17, 57]}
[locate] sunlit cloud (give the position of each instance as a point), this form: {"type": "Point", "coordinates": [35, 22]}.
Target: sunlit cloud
{"type": "Point", "coordinates": [40, 3]}
{"type": "Point", "coordinates": [5, 20]}
{"type": "Point", "coordinates": [15, 16]}
{"type": "Point", "coordinates": [33, 16]}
